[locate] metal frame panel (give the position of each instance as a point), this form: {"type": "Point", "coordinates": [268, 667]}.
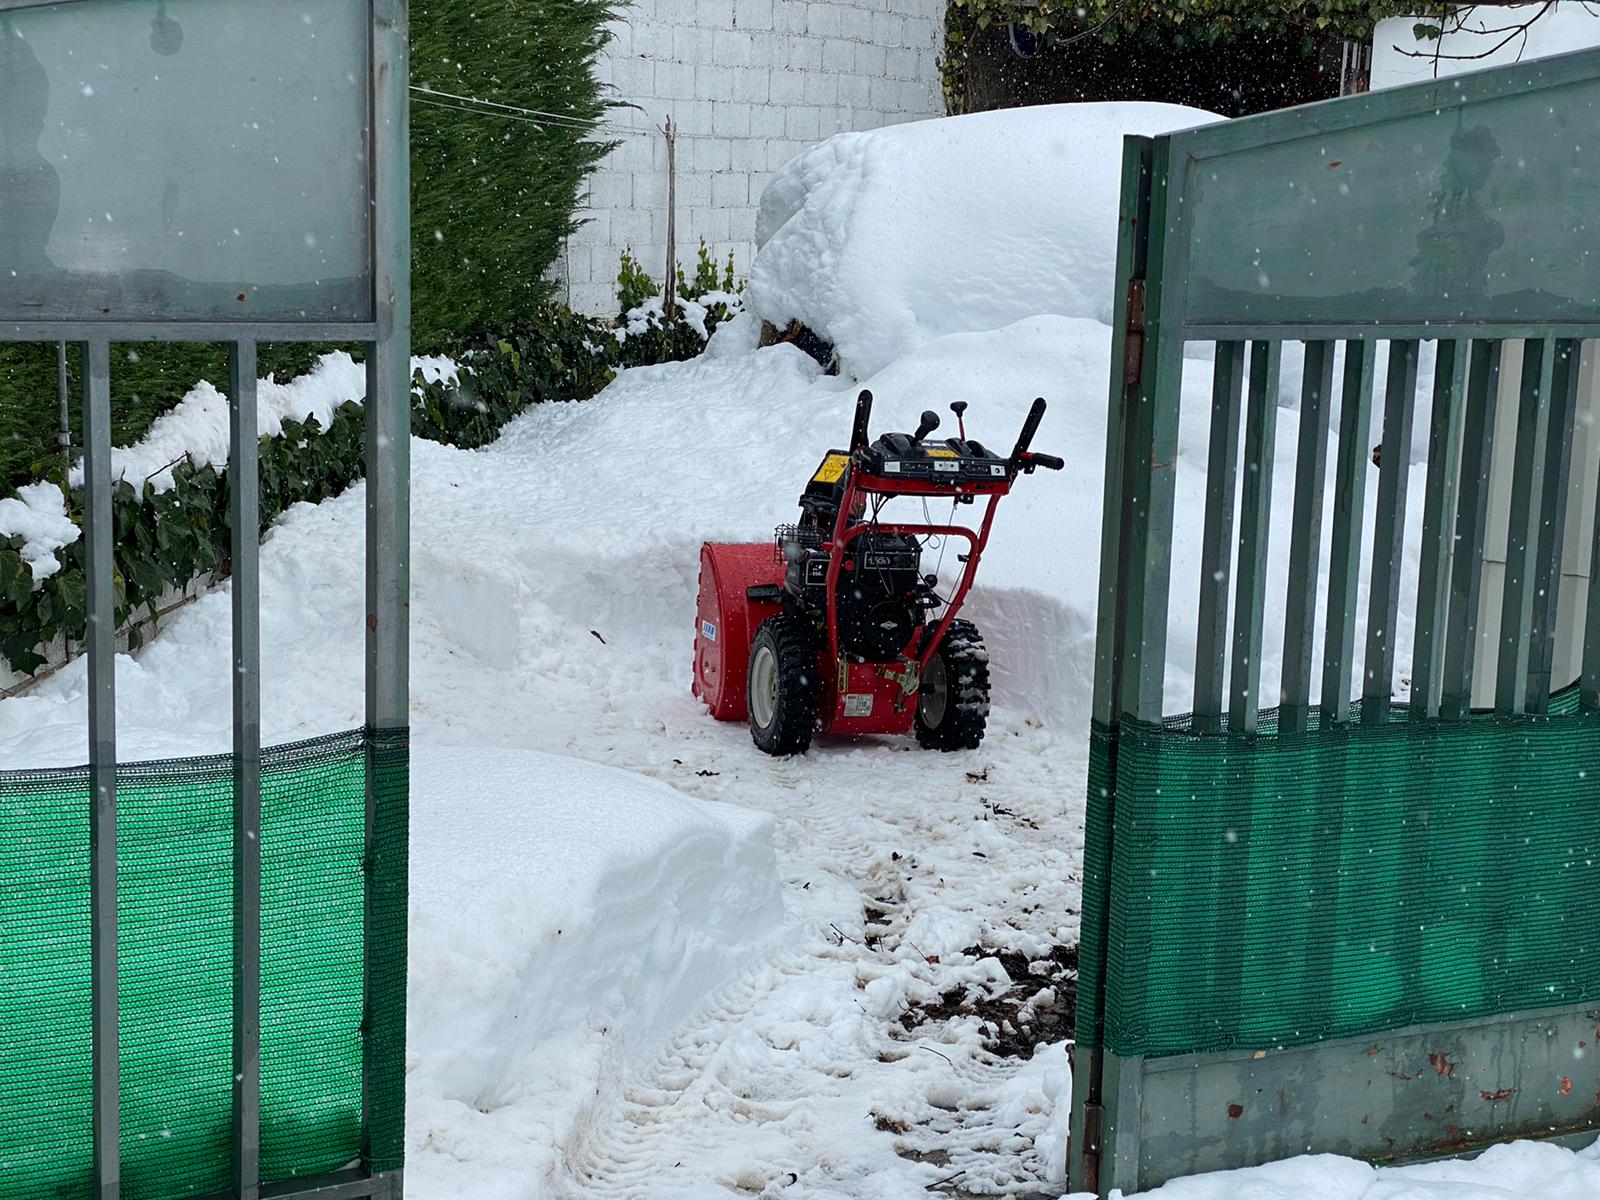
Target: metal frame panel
{"type": "Point", "coordinates": [1118, 1121]}
{"type": "Point", "coordinates": [1350, 504]}
{"type": "Point", "coordinates": [1522, 537]}
{"type": "Point", "coordinates": [1552, 524]}
{"type": "Point", "coordinates": [388, 464]}
{"type": "Point", "coordinates": [1446, 430]}
{"type": "Point", "coordinates": [1255, 520]}
{"type": "Point", "coordinates": [1216, 547]}
{"type": "Point", "coordinates": [1305, 537]}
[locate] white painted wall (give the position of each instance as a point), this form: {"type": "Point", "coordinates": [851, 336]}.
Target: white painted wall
{"type": "Point", "coordinates": [749, 83]}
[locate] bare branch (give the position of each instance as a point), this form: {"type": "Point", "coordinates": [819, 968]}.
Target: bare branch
{"type": "Point", "coordinates": [1459, 16]}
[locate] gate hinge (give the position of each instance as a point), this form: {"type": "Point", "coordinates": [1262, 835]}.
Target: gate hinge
{"type": "Point", "coordinates": [1133, 336]}
{"type": "Point", "coordinates": [1090, 1154]}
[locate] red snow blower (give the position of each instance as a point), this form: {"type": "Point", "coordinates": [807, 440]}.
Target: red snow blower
{"type": "Point", "coordinates": [834, 627]}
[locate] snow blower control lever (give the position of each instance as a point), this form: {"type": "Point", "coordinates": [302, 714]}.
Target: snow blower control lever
{"type": "Point", "coordinates": [837, 628]}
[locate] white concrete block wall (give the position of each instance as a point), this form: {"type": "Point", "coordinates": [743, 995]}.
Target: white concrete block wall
{"type": "Point", "coordinates": [749, 84]}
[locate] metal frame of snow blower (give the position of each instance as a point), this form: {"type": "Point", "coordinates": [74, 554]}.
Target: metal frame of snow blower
{"type": "Point", "coordinates": [860, 483]}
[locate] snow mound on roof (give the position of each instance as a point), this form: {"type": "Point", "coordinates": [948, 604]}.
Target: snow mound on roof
{"type": "Point", "coordinates": [882, 241]}
{"type": "Point", "coordinates": [565, 917]}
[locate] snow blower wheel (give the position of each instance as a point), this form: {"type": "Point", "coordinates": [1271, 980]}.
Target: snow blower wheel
{"type": "Point", "coordinates": [782, 686]}
{"type": "Point", "coordinates": [953, 701]}
{"type": "Point", "coordinates": [850, 636]}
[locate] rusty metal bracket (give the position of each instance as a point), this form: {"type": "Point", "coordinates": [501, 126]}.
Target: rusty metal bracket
{"type": "Point", "coordinates": [1133, 342]}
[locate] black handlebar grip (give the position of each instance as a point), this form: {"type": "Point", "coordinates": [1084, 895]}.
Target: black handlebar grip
{"type": "Point", "coordinates": [959, 407]}
{"type": "Point", "coordinates": [930, 422]}
{"type": "Point", "coordinates": [858, 431]}
{"type": "Point", "coordinates": [1029, 428]}
{"type": "Point", "coordinates": [1048, 461]}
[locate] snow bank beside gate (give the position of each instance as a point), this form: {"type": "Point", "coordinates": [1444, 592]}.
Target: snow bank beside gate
{"type": "Point", "coordinates": [885, 240]}
{"type": "Point", "coordinates": [564, 918]}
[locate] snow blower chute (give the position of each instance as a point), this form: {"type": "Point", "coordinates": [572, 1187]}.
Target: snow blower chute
{"type": "Point", "coordinates": [836, 627]}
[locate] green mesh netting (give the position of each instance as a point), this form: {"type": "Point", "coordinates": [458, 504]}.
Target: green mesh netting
{"type": "Point", "coordinates": [175, 911]}
{"type": "Point", "coordinates": [1274, 890]}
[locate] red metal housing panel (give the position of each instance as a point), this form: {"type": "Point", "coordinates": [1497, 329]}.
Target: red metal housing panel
{"type": "Point", "coordinates": [726, 620]}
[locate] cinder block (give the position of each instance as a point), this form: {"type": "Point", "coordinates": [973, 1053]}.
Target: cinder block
{"type": "Point", "coordinates": [751, 84]}
{"type": "Point", "coordinates": [804, 123]}
{"type": "Point", "coordinates": [767, 121]}
{"type": "Point", "coordinates": [730, 190]}
{"type": "Point", "coordinates": [731, 119]}
{"type": "Point", "coordinates": [887, 29]}
{"type": "Point", "coordinates": [870, 60]}
{"type": "Point", "coordinates": [786, 88]}
{"type": "Point", "coordinates": [748, 154]}
{"type": "Point", "coordinates": [714, 14]}
{"type": "Point", "coordinates": [920, 31]}
{"type": "Point", "coordinates": [633, 77]}
{"type": "Point", "coordinates": [630, 227]}
{"type": "Point", "coordinates": [649, 190]}
{"type": "Point", "coordinates": [732, 47]}
{"type": "Point", "coordinates": [856, 24]}
{"type": "Point", "coordinates": [824, 20]}
{"type": "Point", "coordinates": [821, 88]}
{"type": "Point", "coordinates": [917, 96]}
{"type": "Point", "coordinates": [650, 39]}
{"type": "Point", "coordinates": [854, 89]}
{"type": "Point", "coordinates": [595, 299]}
{"type": "Point", "coordinates": [694, 189]}
{"type": "Point", "coordinates": [691, 44]}
{"type": "Point", "coordinates": [884, 94]}
{"type": "Point", "coordinates": [805, 53]}
{"type": "Point", "coordinates": [838, 56]}
{"type": "Point", "coordinates": [900, 63]}
{"type": "Point", "coordinates": [753, 14]}
{"type": "Point", "coordinates": [789, 16]}
{"type": "Point", "coordinates": [780, 154]}
{"type": "Point", "coordinates": [742, 223]}
{"type": "Point", "coordinates": [713, 83]}
{"type": "Point", "coordinates": [768, 49]}
{"type": "Point", "coordinates": [674, 81]}
{"type": "Point", "coordinates": [610, 189]}
{"type": "Point", "coordinates": [758, 184]}
{"type": "Point", "coordinates": [692, 116]}
{"type": "Point", "coordinates": [709, 154]}
{"type": "Point", "coordinates": [709, 223]}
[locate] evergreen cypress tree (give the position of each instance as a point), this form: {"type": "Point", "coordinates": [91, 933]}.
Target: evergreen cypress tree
{"type": "Point", "coordinates": [493, 196]}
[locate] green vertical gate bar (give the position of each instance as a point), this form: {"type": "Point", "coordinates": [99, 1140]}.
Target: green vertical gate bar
{"type": "Point", "coordinates": [1255, 519]}
{"type": "Point", "coordinates": [1127, 345]}
{"type": "Point", "coordinates": [101, 606]}
{"type": "Point", "coordinates": [1154, 450]}
{"type": "Point", "coordinates": [1349, 512]}
{"type": "Point", "coordinates": [1522, 533]}
{"type": "Point", "coordinates": [244, 519]}
{"type": "Point", "coordinates": [388, 459]}
{"type": "Point", "coordinates": [1552, 524]}
{"type": "Point", "coordinates": [1305, 537]}
{"type": "Point", "coordinates": [1445, 434]}
{"type": "Point", "coordinates": [1471, 525]}
{"type": "Point", "coordinates": [1216, 547]}
{"type": "Point", "coordinates": [1389, 525]}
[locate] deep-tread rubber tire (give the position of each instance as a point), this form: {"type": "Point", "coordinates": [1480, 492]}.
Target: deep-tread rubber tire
{"type": "Point", "coordinates": [783, 662]}
{"type": "Point", "coordinates": [953, 701]}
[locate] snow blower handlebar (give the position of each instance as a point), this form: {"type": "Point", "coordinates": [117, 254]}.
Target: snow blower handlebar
{"type": "Point", "coordinates": [1021, 458]}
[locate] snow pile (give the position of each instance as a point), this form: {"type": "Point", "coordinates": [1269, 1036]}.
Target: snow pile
{"type": "Point", "coordinates": [38, 515]}
{"type": "Point", "coordinates": [1518, 1171]}
{"type": "Point", "coordinates": [565, 918]}
{"type": "Point", "coordinates": [1487, 30]}
{"type": "Point", "coordinates": [882, 241]}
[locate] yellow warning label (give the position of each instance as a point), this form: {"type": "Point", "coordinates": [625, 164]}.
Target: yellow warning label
{"type": "Point", "coordinates": [942, 454]}
{"type": "Point", "coordinates": [832, 469]}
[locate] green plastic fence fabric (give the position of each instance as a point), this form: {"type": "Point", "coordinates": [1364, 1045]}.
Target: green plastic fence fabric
{"type": "Point", "coordinates": [175, 831]}
{"type": "Point", "coordinates": [1272, 890]}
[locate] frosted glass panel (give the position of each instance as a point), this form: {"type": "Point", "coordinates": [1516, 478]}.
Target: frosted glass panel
{"type": "Point", "coordinates": [1491, 213]}
{"type": "Point", "coordinates": [185, 159]}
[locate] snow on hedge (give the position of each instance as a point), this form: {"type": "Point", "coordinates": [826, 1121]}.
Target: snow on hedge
{"type": "Point", "coordinates": [38, 515]}
{"type": "Point", "coordinates": [882, 241]}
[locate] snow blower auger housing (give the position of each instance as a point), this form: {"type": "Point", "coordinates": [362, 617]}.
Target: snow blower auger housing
{"type": "Point", "coordinates": [836, 627]}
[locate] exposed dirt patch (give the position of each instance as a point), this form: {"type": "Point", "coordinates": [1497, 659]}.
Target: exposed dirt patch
{"type": "Point", "coordinates": [1039, 1007]}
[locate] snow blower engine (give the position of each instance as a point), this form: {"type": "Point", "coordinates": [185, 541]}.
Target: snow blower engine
{"type": "Point", "coordinates": [837, 627]}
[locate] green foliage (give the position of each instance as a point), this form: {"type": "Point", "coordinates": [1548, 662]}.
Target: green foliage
{"type": "Point", "coordinates": [494, 196]}
{"type": "Point", "coordinates": [164, 540]}
{"type": "Point", "coordinates": [1203, 25]}
{"type": "Point", "coordinates": [634, 284]}
{"type": "Point", "coordinates": [146, 381]}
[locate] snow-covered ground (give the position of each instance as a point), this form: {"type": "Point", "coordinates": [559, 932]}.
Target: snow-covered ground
{"type": "Point", "coordinates": [771, 978]}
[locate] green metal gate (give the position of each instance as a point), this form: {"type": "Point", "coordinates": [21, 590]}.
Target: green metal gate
{"type": "Point", "coordinates": [1343, 923]}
